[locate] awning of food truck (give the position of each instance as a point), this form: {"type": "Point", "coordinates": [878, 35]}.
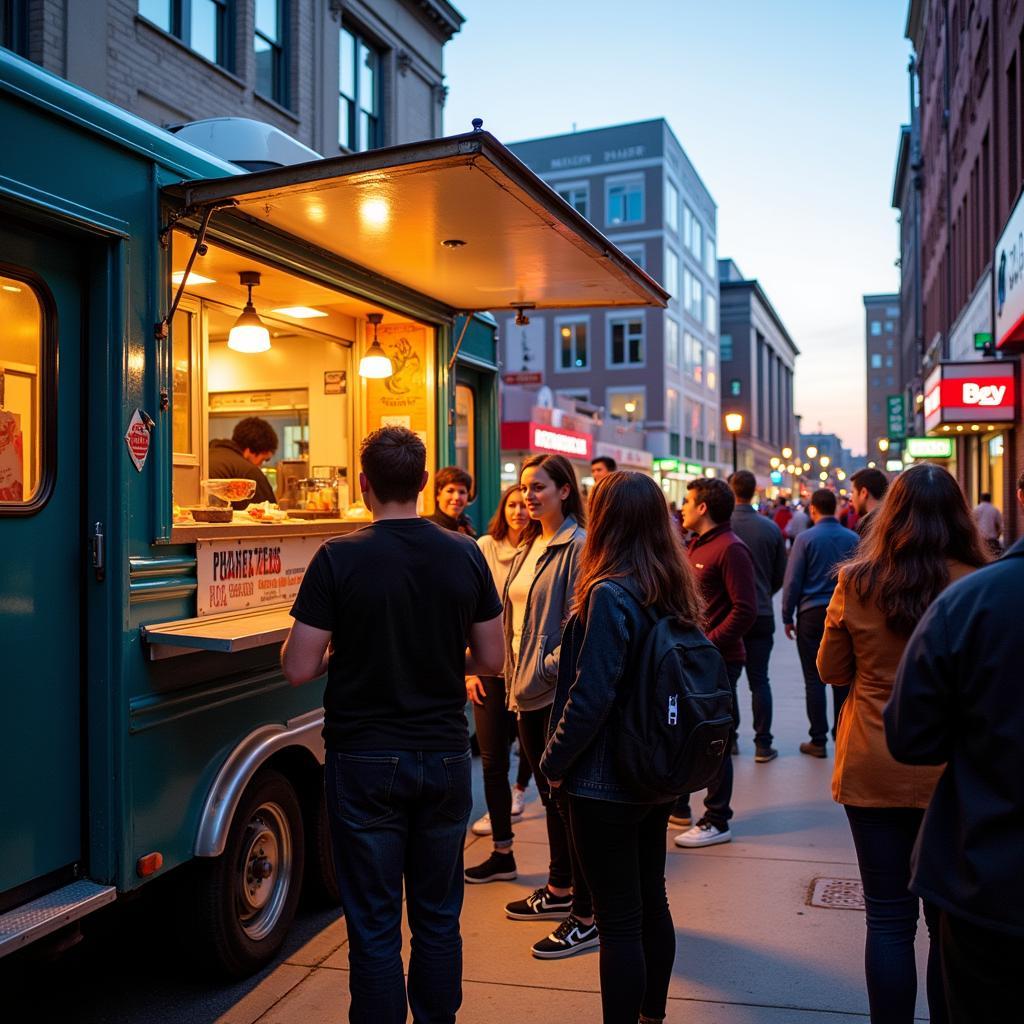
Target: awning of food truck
{"type": "Point", "coordinates": [461, 221]}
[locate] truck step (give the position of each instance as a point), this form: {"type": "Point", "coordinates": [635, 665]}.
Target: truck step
{"type": "Point", "coordinates": [32, 921]}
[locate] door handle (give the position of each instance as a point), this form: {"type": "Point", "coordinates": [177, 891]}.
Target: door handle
{"type": "Point", "coordinates": [99, 552]}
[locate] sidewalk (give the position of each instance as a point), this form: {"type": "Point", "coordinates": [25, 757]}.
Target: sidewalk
{"type": "Point", "coordinates": [750, 948]}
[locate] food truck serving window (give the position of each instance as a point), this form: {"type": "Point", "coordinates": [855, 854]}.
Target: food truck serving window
{"type": "Point", "coordinates": [23, 385]}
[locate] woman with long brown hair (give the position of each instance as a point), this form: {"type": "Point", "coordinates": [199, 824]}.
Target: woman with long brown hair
{"type": "Point", "coordinates": [632, 562]}
{"type": "Point", "coordinates": [923, 537]}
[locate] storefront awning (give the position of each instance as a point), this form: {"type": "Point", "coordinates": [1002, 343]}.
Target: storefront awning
{"type": "Point", "coordinates": [460, 220]}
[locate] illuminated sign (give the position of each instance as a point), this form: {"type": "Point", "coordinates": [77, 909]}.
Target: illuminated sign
{"type": "Point", "coordinates": [1008, 270]}
{"type": "Point", "coordinates": [666, 465]}
{"type": "Point", "coordinates": [695, 468]}
{"type": "Point", "coordinates": [930, 447]}
{"type": "Point", "coordinates": [557, 441]}
{"type": "Point", "coordinates": [542, 437]}
{"type": "Point", "coordinates": [973, 392]}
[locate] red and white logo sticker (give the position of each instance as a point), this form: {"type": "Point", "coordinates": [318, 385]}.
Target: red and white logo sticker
{"type": "Point", "coordinates": [137, 439]}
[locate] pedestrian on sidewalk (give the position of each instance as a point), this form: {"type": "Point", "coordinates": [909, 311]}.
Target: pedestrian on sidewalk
{"type": "Point", "coordinates": [810, 581]}
{"type": "Point", "coordinates": [867, 489]}
{"type": "Point", "coordinates": [452, 488]}
{"type": "Point", "coordinates": [495, 724]}
{"type": "Point", "coordinates": [990, 524]}
{"type": "Point", "coordinates": [387, 613]}
{"type": "Point", "coordinates": [768, 552]}
{"type": "Point", "coordinates": [957, 699]}
{"type": "Point", "coordinates": [538, 597]}
{"type": "Point", "coordinates": [799, 522]}
{"type": "Point", "coordinates": [922, 540]}
{"type": "Point", "coordinates": [632, 563]}
{"type": "Point", "coordinates": [725, 576]}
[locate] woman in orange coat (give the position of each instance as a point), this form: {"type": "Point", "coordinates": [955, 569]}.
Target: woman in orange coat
{"type": "Point", "coordinates": [924, 539]}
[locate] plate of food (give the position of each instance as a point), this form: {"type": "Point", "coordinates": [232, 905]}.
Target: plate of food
{"type": "Point", "coordinates": [230, 488]}
{"type": "Point", "coordinates": [264, 512]}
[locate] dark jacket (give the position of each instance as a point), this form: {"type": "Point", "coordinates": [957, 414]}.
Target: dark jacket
{"type": "Point", "coordinates": [597, 652]}
{"type": "Point", "coordinates": [959, 698]}
{"type": "Point", "coordinates": [811, 573]}
{"type": "Point", "coordinates": [725, 572]}
{"type": "Point", "coordinates": [228, 462]}
{"type": "Point", "coordinates": [767, 549]}
{"type": "Point", "coordinates": [461, 525]}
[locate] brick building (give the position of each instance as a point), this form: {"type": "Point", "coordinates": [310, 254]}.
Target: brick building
{"type": "Point", "coordinates": [338, 75]}
{"type": "Point", "coordinates": [882, 365]}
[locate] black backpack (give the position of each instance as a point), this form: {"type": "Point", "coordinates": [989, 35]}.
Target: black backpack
{"type": "Point", "coordinates": [675, 719]}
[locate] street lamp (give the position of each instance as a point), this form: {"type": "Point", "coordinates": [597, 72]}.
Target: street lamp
{"type": "Point", "coordinates": [883, 444]}
{"type": "Point", "coordinates": [811, 451]}
{"type": "Point", "coordinates": [734, 424]}
{"type": "Point", "coordinates": [775, 462]}
{"type": "Point", "coordinates": [787, 453]}
{"type": "Point", "coordinates": [824, 460]}
{"type": "Point", "coordinates": [840, 474]}
{"type": "Point", "coordinates": [823, 476]}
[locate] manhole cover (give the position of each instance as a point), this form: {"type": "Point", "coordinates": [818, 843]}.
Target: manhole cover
{"type": "Point", "coordinates": [837, 893]}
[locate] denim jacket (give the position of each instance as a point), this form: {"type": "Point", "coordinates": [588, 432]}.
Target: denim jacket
{"type": "Point", "coordinates": [596, 657]}
{"type": "Point", "coordinates": [530, 678]}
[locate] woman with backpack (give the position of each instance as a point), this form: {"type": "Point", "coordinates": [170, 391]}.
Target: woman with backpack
{"type": "Point", "coordinates": [922, 539]}
{"type": "Point", "coordinates": [538, 595]}
{"type": "Point", "coordinates": [633, 571]}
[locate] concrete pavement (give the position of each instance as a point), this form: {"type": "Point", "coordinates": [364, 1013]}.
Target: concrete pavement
{"type": "Point", "coordinates": [750, 947]}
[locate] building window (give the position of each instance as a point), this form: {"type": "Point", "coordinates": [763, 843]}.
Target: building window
{"type": "Point", "coordinates": [735, 387]}
{"type": "Point", "coordinates": [710, 258]}
{"type": "Point", "coordinates": [711, 313]}
{"type": "Point", "coordinates": [892, 311]}
{"type": "Point", "coordinates": [889, 344]}
{"type": "Point", "coordinates": [269, 44]}
{"type": "Point", "coordinates": [888, 326]}
{"type": "Point", "coordinates": [671, 207]}
{"type": "Point", "coordinates": [577, 196]}
{"type": "Point", "coordinates": [890, 380]}
{"type": "Point", "coordinates": [201, 25]}
{"type": "Point", "coordinates": [711, 368]}
{"type": "Point", "coordinates": [693, 358]}
{"type": "Point", "coordinates": [725, 348]}
{"type": "Point", "coordinates": [671, 343]}
{"type": "Point", "coordinates": [14, 25]}
{"type": "Point", "coordinates": [636, 253]}
{"type": "Point", "coordinates": [626, 341]}
{"type": "Point", "coordinates": [693, 296]}
{"type": "Point", "coordinates": [697, 241]}
{"type": "Point", "coordinates": [672, 410]}
{"type": "Point", "coordinates": [671, 281]}
{"type": "Point", "coordinates": [624, 201]}
{"type": "Point", "coordinates": [876, 360]}
{"type": "Point", "coordinates": [581, 395]}
{"type": "Point", "coordinates": [687, 227]}
{"type": "Point", "coordinates": [627, 404]}
{"type": "Point", "coordinates": [876, 382]}
{"type": "Point", "coordinates": [359, 126]}
{"type": "Point", "coordinates": [573, 344]}
{"type": "Point", "coordinates": [888, 361]}
{"type": "Point", "coordinates": [876, 327]}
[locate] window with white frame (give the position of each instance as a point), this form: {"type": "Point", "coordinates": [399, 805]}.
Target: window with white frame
{"type": "Point", "coordinates": [626, 340]}
{"type": "Point", "coordinates": [671, 281]}
{"type": "Point", "coordinates": [624, 200]}
{"type": "Point", "coordinates": [687, 226]}
{"type": "Point", "coordinates": [693, 357]}
{"type": "Point", "coordinates": [637, 253]}
{"type": "Point", "coordinates": [627, 404]}
{"type": "Point", "coordinates": [671, 343]}
{"type": "Point", "coordinates": [671, 206]}
{"type": "Point", "coordinates": [577, 195]}
{"type": "Point", "coordinates": [576, 394]}
{"type": "Point", "coordinates": [711, 312]}
{"type": "Point", "coordinates": [697, 241]}
{"type": "Point", "coordinates": [710, 258]}
{"type": "Point", "coordinates": [693, 296]}
{"type": "Point", "coordinates": [572, 343]}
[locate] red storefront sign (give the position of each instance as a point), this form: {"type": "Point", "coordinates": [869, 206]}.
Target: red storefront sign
{"type": "Point", "coordinates": [523, 378]}
{"type": "Point", "coordinates": [542, 437]}
{"type": "Point", "coordinates": [970, 393]}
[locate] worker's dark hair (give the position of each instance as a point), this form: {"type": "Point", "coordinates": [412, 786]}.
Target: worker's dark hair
{"type": "Point", "coordinates": [824, 501]}
{"type": "Point", "coordinates": [716, 494]}
{"type": "Point", "coordinates": [451, 475]}
{"type": "Point", "coordinates": [605, 460]}
{"type": "Point", "coordinates": [255, 434]}
{"type": "Point", "coordinates": [394, 460]}
{"type": "Point", "coordinates": [743, 484]}
{"type": "Point", "coordinates": [986, 496]}
{"type": "Point", "coordinates": [874, 481]}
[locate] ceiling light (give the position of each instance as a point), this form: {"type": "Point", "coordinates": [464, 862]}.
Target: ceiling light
{"type": "Point", "coordinates": [453, 243]}
{"type": "Point", "coordinates": [193, 278]}
{"type": "Point", "coordinates": [300, 312]}
{"type": "Point", "coordinates": [12, 288]}
{"type": "Point", "coordinates": [249, 333]}
{"type": "Point", "coordinates": [375, 364]}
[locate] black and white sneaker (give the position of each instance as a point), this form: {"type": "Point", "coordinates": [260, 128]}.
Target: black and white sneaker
{"type": "Point", "coordinates": [499, 867]}
{"type": "Point", "coordinates": [569, 937]}
{"type": "Point", "coordinates": [540, 905]}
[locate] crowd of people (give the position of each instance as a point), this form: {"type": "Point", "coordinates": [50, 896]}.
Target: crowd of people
{"type": "Point", "coordinates": [542, 622]}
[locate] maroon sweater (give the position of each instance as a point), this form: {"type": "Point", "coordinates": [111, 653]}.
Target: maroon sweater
{"type": "Point", "coordinates": [725, 572]}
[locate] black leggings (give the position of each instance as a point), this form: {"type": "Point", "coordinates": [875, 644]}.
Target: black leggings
{"type": "Point", "coordinates": [495, 730]}
{"type": "Point", "coordinates": [622, 850]}
{"type": "Point", "coordinates": [564, 869]}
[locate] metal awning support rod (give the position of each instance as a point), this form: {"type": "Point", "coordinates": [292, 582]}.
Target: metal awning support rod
{"type": "Point", "coordinates": [462, 334]}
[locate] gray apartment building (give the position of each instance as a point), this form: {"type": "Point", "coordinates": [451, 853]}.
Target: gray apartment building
{"type": "Point", "coordinates": [883, 374]}
{"type": "Point", "coordinates": [338, 75]}
{"type": "Point", "coordinates": [758, 362]}
{"type": "Point", "coordinates": [650, 367]}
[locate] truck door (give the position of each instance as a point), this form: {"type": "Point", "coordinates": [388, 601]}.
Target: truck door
{"type": "Point", "coordinates": [42, 537]}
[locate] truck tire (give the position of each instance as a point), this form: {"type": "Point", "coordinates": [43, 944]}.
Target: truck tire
{"type": "Point", "coordinates": [321, 879]}
{"type": "Point", "coordinates": [248, 895]}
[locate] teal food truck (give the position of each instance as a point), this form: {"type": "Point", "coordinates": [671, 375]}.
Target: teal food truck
{"type": "Point", "coordinates": [152, 296]}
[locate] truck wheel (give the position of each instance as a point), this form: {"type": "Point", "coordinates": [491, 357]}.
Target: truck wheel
{"type": "Point", "coordinates": [248, 895]}
{"type": "Point", "coordinates": [321, 878]}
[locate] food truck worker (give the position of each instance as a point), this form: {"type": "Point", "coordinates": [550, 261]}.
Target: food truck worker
{"type": "Point", "coordinates": [252, 442]}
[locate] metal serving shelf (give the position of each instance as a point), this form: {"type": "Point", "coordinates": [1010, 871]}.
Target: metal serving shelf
{"type": "Point", "coordinates": [227, 632]}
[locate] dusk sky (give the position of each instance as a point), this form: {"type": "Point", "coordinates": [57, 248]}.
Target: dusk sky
{"type": "Point", "coordinates": [790, 113]}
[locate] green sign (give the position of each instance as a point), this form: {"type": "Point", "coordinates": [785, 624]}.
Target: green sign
{"type": "Point", "coordinates": [695, 468]}
{"type": "Point", "coordinates": [930, 447]}
{"type": "Point", "coordinates": [666, 465]}
{"type": "Point", "coordinates": [896, 416]}
{"type": "Point", "coordinates": [981, 339]}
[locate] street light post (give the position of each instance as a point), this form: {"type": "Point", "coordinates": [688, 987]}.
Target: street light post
{"type": "Point", "coordinates": [734, 424]}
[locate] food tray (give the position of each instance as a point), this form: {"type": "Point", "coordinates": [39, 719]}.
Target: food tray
{"type": "Point", "coordinates": [211, 515]}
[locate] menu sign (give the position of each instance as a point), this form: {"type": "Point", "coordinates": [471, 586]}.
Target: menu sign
{"type": "Point", "coordinates": [252, 573]}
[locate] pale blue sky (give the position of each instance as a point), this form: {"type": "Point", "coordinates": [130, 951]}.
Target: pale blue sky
{"type": "Point", "coordinates": [790, 111]}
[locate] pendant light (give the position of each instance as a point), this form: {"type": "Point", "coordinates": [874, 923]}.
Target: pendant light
{"type": "Point", "coordinates": [375, 364]}
{"type": "Point", "coordinates": [249, 333]}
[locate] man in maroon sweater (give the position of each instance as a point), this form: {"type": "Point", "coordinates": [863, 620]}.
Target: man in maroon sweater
{"type": "Point", "coordinates": [725, 572]}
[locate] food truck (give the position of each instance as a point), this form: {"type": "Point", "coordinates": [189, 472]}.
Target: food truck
{"type": "Point", "coordinates": [152, 296]}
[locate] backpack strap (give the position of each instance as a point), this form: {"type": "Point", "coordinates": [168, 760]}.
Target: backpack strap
{"type": "Point", "coordinates": [628, 587]}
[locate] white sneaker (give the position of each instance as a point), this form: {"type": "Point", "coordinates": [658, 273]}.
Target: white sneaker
{"type": "Point", "coordinates": [518, 801]}
{"type": "Point", "coordinates": [703, 834]}
{"type": "Point", "coordinates": [482, 826]}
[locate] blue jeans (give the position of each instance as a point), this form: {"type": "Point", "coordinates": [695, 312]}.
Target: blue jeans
{"type": "Point", "coordinates": [884, 838]}
{"type": "Point", "coordinates": [810, 630]}
{"type": "Point", "coordinates": [758, 643]}
{"type": "Point", "coordinates": [401, 815]}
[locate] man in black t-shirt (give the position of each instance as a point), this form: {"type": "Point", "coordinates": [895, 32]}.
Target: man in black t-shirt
{"type": "Point", "coordinates": [388, 612]}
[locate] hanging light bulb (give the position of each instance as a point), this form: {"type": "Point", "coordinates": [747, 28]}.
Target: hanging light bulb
{"type": "Point", "coordinates": [249, 333]}
{"type": "Point", "coordinates": [375, 363]}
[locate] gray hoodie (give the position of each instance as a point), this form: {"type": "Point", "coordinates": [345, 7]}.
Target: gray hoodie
{"type": "Point", "coordinates": [530, 681]}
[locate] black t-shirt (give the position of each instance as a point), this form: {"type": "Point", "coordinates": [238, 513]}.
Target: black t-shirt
{"type": "Point", "coordinates": [399, 597]}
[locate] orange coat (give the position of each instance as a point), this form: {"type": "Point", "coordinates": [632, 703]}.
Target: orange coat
{"type": "Point", "coordinates": [859, 649]}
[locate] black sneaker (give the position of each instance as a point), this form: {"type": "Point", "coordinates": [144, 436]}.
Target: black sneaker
{"type": "Point", "coordinates": [540, 905]}
{"type": "Point", "coordinates": [499, 867]}
{"type": "Point", "coordinates": [569, 937]}
{"type": "Point", "coordinates": [763, 754]}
